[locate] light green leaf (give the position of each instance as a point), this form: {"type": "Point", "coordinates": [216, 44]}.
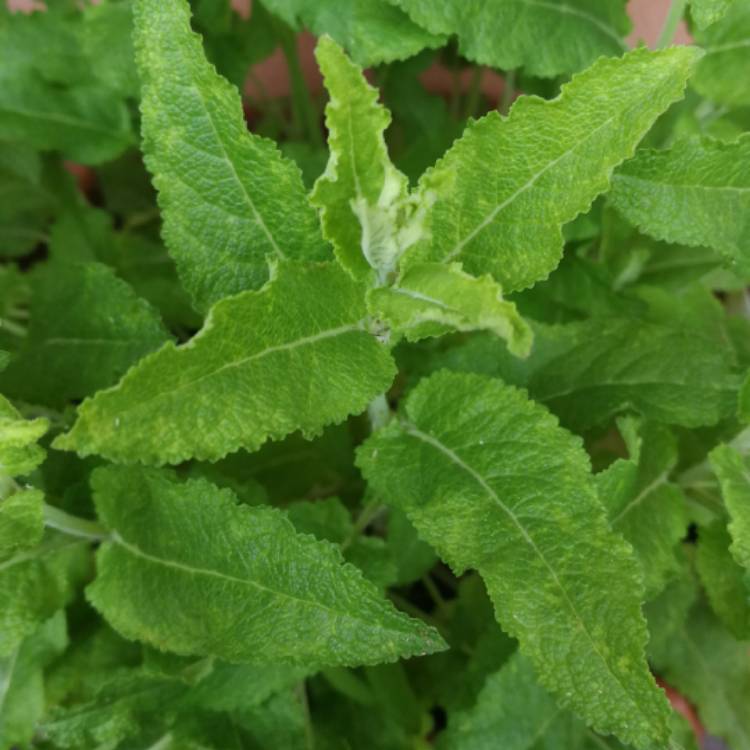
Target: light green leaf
{"type": "Point", "coordinates": [366, 210]}
{"type": "Point", "coordinates": [90, 324]}
{"type": "Point", "coordinates": [545, 38]}
{"type": "Point", "coordinates": [19, 452]}
{"type": "Point", "coordinates": [293, 356]}
{"type": "Point", "coordinates": [726, 583]}
{"type": "Point", "coordinates": [491, 481]}
{"type": "Point", "coordinates": [643, 505]}
{"type": "Point", "coordinates": [701, 660]}
{"type": "Point", "coordinates": [229, 199]}
{"type": "Point", "coordinates": [372, 31]}
{"type": "Point", "coordinates": [691, 194]}
{"type": "Point", "coordinates": [431, 299]}
{"type": "Point", "coordinates": [21, 521]}
{"type": "Point", "coordinates": [722, 73]}
{"type": "Point", "coordinates": [35, 583]}
{"type": "Point", "coordinates": [514, 712]}
{"type": "Point", "coordinates": [515, 181]}
{"type": "Point", "coordinates": [22, 693]}
{"type": "Point", "coordinates": [234, 581]}
{"type": "Point", "coordinates": [329, 520]}
{"type": "Point", "coordinates": [706, 12]}
{"type": "Point", "coordinates": [734, 477]}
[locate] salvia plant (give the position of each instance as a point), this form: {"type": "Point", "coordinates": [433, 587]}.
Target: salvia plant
{"type": "Point", "coordinates": [417, 421]}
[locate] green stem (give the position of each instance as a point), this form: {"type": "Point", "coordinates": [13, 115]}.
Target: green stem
{"type": "Point", "coordinates": [303, 106]}
{"type": "Point", "coordinates": [674, 16]}
{"type": "Point", "coordinates": [12, 327]}
{"type": "Point", "coordinates": [434, 592]}
{"type": "Point", "coordinates": [368, 514]}
{"type": "Point", "coordinates": [474, 93]}
{"type": "Point", "coordinates": [509, 91]}
{"type": "Point", "coordinates": [57, 519]}
{"type": "Point", "coordinates": [379, 412]}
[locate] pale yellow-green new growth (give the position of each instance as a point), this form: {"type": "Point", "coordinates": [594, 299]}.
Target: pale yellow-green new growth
{"type": "Point", "coordinates": [515, 181]}
{"type": "Point", "coordinates": [295, 355]}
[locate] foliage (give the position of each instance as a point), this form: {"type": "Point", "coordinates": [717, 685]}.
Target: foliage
{"type": "Point", "coordinates": [433, 435]}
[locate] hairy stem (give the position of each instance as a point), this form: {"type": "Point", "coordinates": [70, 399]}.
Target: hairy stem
{"type": "Point", "coordinates": [302, 103]}
{"type": "Point", "coordinates": [509, 92]}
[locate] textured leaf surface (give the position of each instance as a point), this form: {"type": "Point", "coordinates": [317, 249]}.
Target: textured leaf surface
{"type": "Point", "coordinates": [515, 712]}
{"type": "Point", "coordinates": [545, 38]}
{"type": "Point", "coordinates": [229, 199]}
{"type": "Point", "coordinates": [734, 477]}
{"type": "Point", "coordinates": [294, 355]}
{"type": "Point", "coordinates": [643, 505]}
{"type": "Point", "coordinates": [19, 452]}
{"type": "Point", "coordinates": [706, 12]}
{"type": "Point", "coordinates": [431, 299]}
{"type": "Point", "coordinates": [516, 181]}
{"type": "Point", "coordinates": [691, 194]}
{"type": "Point", "coordinates": [364, 200]}
{"type": "Point", "coordinates": [371, 31]}
{"type": "Point", "coordinates": [722, 73]}
{"type": "Point", "coordinates": [21, 521]}
{"type": "Point", "coordinates": [34, 584]}
{"type": "Point", "coordinates": [234, 581]}
{"type": "Point", "coordinates": [90, 324]}
{"type": "Point", "coordinates": [491, 481]}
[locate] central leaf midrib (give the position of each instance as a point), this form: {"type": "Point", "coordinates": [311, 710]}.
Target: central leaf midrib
{"type": "Point", "coordinates": [411, 429]}
{"type": "Point", "coordinates": [134, 549]}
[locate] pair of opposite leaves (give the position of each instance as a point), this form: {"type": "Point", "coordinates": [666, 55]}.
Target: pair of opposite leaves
{"type": "Point", "coordinates": [301, 352]}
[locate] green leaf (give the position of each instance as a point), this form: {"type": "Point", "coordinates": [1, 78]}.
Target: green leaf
{"type": "Point", "coordinates": [19, 452]}
{"type": "Point", "coordinates": [734, 477]}
{"type": "Point", "coordinates": [690, 194]}
{"type": "Point", "coordinates": [707, 12]}
{"type": "Point", "coordinates": [643, 505]}
{"type": "Point", "coordinates": [701, 660]}
{"type": "Point", "coordinates": [35, 583]}
{"type": "Point", "coordinates": [294, 355]}
{"type": "Point", "coordinates": [371, 31]}
{"type": "Point", "coordinates": [491, 481]}
{"type": "Point", "coordinates": [726, 583]}
{"type": "Point", "coordinates": [229, 199]}
{"type": "Point", "coordinates": [234, 581]}
{"type": "Point", "coordinates": [91, 324]}
{"type": "Point", "coordinates": [515, 181]}
{"type": "Point", "coordinates": [22, 689]}
{"type": "Point", "coordinates": [544, 38]}
{"type": "Point", "coordinates": [514, 712]}
{"type": "Point", "coordinates": [722, 73]}
{"type": "Point", "coordinates": [329, 520]}
{"type": "Point", "coordinates": [431, 299]}
{"type": "Point", "coordinates": [21, 521]}
{"type": "Point", "coordinates": [366, 210]}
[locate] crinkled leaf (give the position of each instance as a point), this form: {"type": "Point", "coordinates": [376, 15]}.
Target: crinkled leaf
{"type": "Point", "coordinates": [644, 505]}
{"type": "Point", "coordinates": [371, 31]}
{"type": "Point", "coordinates": [35, 583]}
{"type": "Point", "coordinates": [234, 581]}
{"type": "Point", "coordinates": [19, 452]}
{"type": "Point", "coordinates": [721, 74]}
{"type": "Point", "coordinates": [229, 199]}
{"type": "Point", "coordinates": [691, 194]}
{"type": "Point", "coordinates": [706, 12]}
{"type": "Point", "coordinates": [294, 355]}
{"type": "Point", "coordinates": [734, 477]}
{"type": "Point", "coordinates": [21, 521]}
{"type": "Point", "coordinates": [491, 481]}
{"type": "Point", "coordinates": [90, 324]}
{"type": "Point", "coordinates": [726, 583]}
{"type": "Point", "coordinates": [515, 181]}
{"type": "Point", "coordinates": [544, 38]}
{"type": "Point", "coordinates": [366, 210]}
{"type": "Point", "coordinates": [431, 299]}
